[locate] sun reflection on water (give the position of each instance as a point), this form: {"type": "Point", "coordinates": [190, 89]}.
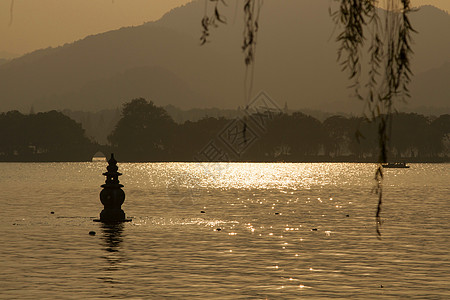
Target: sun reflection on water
{"type": "Point", "coordinates": [286, 177]}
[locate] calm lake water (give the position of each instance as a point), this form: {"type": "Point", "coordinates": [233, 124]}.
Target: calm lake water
{"type": "Point", "coordinates": [287, 231]}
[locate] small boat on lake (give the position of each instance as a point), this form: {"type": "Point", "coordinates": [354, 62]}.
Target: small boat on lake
{"type": "Point", "coordinates": [400, 165]}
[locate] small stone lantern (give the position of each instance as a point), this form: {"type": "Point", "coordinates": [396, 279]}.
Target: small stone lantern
{"type": "Point", "coordinates": [112, 196]}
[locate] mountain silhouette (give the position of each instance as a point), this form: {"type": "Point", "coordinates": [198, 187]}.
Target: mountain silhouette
{"type": "Point", "coordinates": [164, 62]}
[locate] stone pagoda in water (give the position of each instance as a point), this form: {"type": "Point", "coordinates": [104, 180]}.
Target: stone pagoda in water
{"type": "Point", "coordinates": [112, 196]}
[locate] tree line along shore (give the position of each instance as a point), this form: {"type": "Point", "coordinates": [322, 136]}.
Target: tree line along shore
{"type": "Point", "coordinates": [147, 133]}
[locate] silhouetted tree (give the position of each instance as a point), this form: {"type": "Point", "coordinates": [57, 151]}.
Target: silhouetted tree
{"type": "Point", "coordinates": [192, 137]}
{"type": "Point", "coordinates": [275, 143]}
{"type": "Point", "coordinates": [408, 132]}
{"type": "Point", "coordinates": [49, 136]}
{"type": "Point", "coordinates": [308, 135]}
{"type": "Point", "coordinates": [340, 132]}
{"type": "Point", "coordinates": [441, 125]}
{"type": "Point", "coordinates": [144, 132]}
{"type": "Point", "coordinates": [363, 142]}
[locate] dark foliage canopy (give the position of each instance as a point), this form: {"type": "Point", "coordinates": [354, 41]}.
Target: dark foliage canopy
{"type": "Point", "coordinates": [49, 136]}
{"type": "Point", "coordinates": [147, 133]}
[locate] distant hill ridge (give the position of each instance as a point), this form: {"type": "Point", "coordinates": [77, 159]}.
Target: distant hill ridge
{"type": "Point", "coordinates": [163, 62]}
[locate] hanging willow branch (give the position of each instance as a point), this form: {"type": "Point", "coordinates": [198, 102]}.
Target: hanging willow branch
{"type": "Point", "coordinates": [251, 25]}
{"type": "Point", "coordinates": [390, 49]}
{"type": "Point", "coordinates": [353, 15]}
{"type": "Point", "coordinates": [212, 20]}
{"type": "Point", "coordinates": [251, 13]}
{"type": "Point", "coordinates": [11, 12]}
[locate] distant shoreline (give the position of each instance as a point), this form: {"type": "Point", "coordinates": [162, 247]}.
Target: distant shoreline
{"type": "Point", "coordinates": [318, 160]}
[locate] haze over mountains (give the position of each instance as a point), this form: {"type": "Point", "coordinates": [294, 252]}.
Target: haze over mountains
{"type": "Point", "coordinates": [162, 61]}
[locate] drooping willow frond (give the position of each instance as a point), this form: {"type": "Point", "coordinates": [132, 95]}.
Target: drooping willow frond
{"type": "Point", "coordinates": [213, 17]}
{"type": "Point", "coordinates": [211, 20]}
{"type": "Point", "coordinates": [251, 13]}
{"type": "Point", "coordinates": [389, 64]}
{"type": "Point", "coordinates": [353, 16]}
{"type": "Point", "coordinates": [251, 26]}
{"type": "Point", "coordinates": [389, 51]}
{"type": "Point", "coordinates": [11, 12]}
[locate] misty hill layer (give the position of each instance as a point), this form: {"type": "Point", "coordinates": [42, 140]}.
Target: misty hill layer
{"type": "Point", "coordinates": [162, 61]}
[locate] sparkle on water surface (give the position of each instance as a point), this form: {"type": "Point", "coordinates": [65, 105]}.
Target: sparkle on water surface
{"type": "Point", "coordinates": [225, 231]}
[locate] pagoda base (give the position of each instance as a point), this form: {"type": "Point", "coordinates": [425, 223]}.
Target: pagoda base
{"type": "Point", "coordinates": [112, 216]}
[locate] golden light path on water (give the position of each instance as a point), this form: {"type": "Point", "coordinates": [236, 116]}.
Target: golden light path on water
{"type": "Point", "coordinates": [254, 175]}
{"type": "Point", "coordinates": [225, 231]}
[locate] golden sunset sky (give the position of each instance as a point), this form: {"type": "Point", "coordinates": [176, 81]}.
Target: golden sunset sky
{"type": "Point", "coordinates": [40, 24]}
